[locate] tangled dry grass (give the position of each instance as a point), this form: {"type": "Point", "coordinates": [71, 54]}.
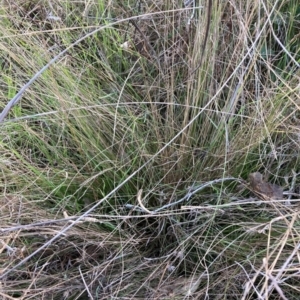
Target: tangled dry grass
{"type": "Point", "coordinates": [125, 163]}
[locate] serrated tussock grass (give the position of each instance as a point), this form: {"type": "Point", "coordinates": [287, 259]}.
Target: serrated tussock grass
{"type": "Point", "coordinates": [160, 127]}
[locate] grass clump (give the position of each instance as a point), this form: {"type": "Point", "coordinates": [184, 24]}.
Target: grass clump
{"type": "Point", "coordinates": [125, 163]}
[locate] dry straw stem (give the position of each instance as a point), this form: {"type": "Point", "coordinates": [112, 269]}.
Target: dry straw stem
{"type": "Point", "coordinates": [187, 125]}
{"type": "Point", "coordinates": [85, 284]}
{"type": "Point", "coordinates": [140, 201]}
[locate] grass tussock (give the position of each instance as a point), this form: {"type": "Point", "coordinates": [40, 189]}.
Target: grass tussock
{"type": "Point", "coordinates": [125, 163]}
